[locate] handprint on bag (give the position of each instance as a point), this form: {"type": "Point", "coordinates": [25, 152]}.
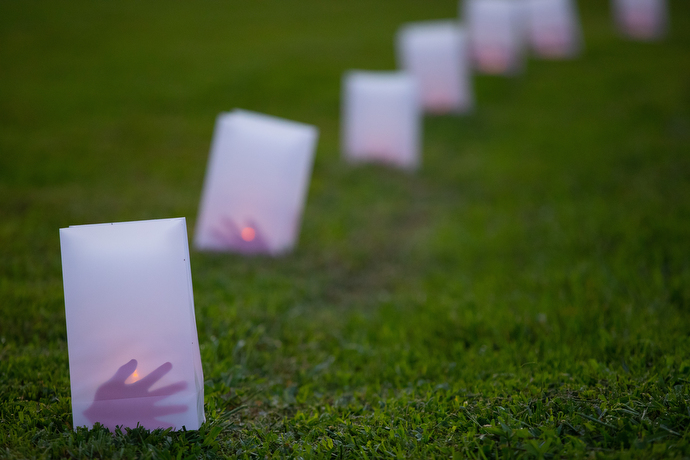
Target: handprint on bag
{"type": "Point", "coordinates": [249, 240]}
{"type": "Point", "coordinates": [126, 404]}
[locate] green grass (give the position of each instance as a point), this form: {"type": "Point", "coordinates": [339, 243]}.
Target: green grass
{"type": "Point", "coordinates": [526, 294]}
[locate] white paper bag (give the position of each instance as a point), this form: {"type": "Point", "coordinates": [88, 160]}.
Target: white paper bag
{"type": "Point", "coordinates": [131, 333]}
{"type": "Point", "coordinates": [554, 28]}
{"type": "Point", "coordinates": [641, 19]}
{"type": "Point", "coordinates": [256, 184]}
{"type": "Point", "coordinates": [497, 30]}
{"type": "Point", "coordinates": [436, 54]}
{"type": "Point", "coordinates": [381, 118]}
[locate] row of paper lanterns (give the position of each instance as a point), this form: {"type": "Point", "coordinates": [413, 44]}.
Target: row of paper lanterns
{"type": "Point", "coordinates": [259, 167]}
{"type": "Point", "coordinates": [132, 340]}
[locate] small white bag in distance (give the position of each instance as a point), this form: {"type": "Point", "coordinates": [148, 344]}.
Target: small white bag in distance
{"type": "Point", "coordinates": [554, 29]}
{"type": "Point", "coordinates": [436, 53]}
{"type": "Point", "coordinates": [381, 118]}
{"type": "Point", "coordinates": [256, 184]}
{"type": "Point", "coordinates": [131, 332]}
{"type": "Point", "coordinates": [497, 30]}
{"type": "Point", "coordinates": [641, 19]}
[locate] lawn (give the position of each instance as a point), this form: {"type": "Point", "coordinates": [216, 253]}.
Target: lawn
{"type": "Point", "coordinates": [526, 294]}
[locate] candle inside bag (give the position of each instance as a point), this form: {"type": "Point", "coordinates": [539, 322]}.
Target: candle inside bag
{"type": "Point", "coordinates": [436, 53]}
{"type": "Point", "coordinates": [641, 19]}
{"type": "Point", "coordinates": [256, 184]}
{"type": "Point", "coordinates": [497, 30]}
{"type": "Point", "coordinates": [553, 28]}
{"type": "Point", "coordinates": [132, 341]}
{"type": "Point", "coordinates": [381, 118]}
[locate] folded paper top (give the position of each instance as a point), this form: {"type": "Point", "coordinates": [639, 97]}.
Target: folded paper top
{"type": "Point", "coordinates": [382, 82]}
{"type": "Point", "coordinates": [497, 20]}
{"type": "Point", "coordinates": [431, 32]}
{"type": "Point", "coordinates": [262, 125]}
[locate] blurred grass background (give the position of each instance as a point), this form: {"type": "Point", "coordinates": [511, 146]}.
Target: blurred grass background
{"type": "Point", "coordinates": [532, 276]}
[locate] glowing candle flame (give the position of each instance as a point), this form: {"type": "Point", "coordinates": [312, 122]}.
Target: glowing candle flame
{"type": "Point", "coordinates": [133, 378]}
{"type": "Point", "coordinates": [248, 234]}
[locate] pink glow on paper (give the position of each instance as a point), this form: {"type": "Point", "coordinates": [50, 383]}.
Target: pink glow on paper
{"type": "Point", "coordinates": [493, 59]}
{"type": "Point", "coordinates": [248, 234]}
{"type": "Point", "coordinates": [552, 43]}
{"type": "Point", "coordinates": [439, 104]}
{"type": "Point", "coordinates": [641, 23]}
{"type": "Point", "coordinates": [118, 403]}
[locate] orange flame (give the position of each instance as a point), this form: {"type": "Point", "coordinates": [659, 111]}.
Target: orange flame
{"type": "Point", "coordinates": [133, 378]}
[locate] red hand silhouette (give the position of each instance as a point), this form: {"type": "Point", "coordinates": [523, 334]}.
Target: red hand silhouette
{"type": "Point", "coordinates": [119, 403]}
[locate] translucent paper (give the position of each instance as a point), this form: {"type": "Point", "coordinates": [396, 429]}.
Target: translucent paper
{"type": "Point", "coordinates": [133, 348]}
{"type": "Point", "coordinates": [497, 31]}
{"type": "Point", "coordinates": [256, 184]}
{"type": "Point", "coordinates": [554, 30]}
{"type": "Point", "coordinates": [436, 54]}
{"type": "Point", "coordinates": [641, 19]}
{"type": "Point", "coordinates": [381, 118]}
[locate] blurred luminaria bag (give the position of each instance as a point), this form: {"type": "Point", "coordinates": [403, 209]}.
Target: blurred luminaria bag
{"type": "Point", "coordinates": [497, 29]}
{"type": "Point", "coordinates": [641, 19]}
{"type": "Point", "coordinates": [131, 333]}
{"type": "Point", "coordinates": [256, 184]}
{"type": "Point", "coordinates": [381, 118]}
{"type": "Point", "coordinates": [554, 28]}
{"type": "Point", "coordinates": [436, 53]}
